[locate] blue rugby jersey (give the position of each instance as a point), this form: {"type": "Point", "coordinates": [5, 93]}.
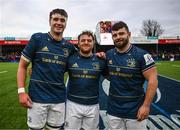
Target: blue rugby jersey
{"type": "Point", "coordinates": [84, 74]}
{"type": "Point", "coordinates": [49, 60]}
{"type": "Point", "coordinates": [126, 93]}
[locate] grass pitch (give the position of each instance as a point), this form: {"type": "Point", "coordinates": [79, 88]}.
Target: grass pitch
{"type": "Point", "coordinates": [169, 69]}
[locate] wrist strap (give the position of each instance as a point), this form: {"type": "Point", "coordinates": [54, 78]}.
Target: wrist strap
{"type": "Point", "coordinates": [21, 90]}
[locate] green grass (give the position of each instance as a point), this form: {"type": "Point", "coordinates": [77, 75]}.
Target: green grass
{"type": "Point", "coordinates": [169, 69]}
{"type": "Point", "coordinates": [13, 116]}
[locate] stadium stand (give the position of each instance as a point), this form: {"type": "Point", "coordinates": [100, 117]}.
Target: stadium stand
{"type": "Point", "coordinates": [161, 48]}
{"type": "Point", "coordinates": [10, 51]}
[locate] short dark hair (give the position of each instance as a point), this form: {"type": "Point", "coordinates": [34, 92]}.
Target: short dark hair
{"type": "Point", "coordinates": [120, 25]}
{"type": "Point", "coordinates": [58, 11]}
{"type": "Point", "coordinates": [86, 32]}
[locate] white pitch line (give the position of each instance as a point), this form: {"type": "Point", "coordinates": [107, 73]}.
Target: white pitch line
{"type": "Point", "coordinates": [176, 65]}
{"type": "Point", "coordinates": [3, 72]}
{"type": "Point", "coordinates": [169, 78]}
{"type": "Point", "coordinates": [158, 63]}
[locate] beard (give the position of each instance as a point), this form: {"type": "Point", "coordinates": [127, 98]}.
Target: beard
{"type": "Point", "coordinates": [86, 51]}
{"type": "Point", "coordinates": [121, 44]}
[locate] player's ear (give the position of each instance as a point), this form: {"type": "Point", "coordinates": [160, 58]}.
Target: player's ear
{"type": "Point", "coordinates": [78, 45]}
{"type": "Point", "coordinates": [129, 34]}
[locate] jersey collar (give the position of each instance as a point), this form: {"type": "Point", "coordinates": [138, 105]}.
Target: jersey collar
{"type": "Point", "coordinates": [85, 56]}
{"type": "Point", "coordinates": [116, 50]}
{"type": "Point", "coordinates": [51, 37]}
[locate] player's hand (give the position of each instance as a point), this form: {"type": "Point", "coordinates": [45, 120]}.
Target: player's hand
{"type": "Point", "coordinates": [143, 112]}
{"type": "Point", "coordinates": [25, 100]}
{"type": "Point", "coordinates": [101, 55]}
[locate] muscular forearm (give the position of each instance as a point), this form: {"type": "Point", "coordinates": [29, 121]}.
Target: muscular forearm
{"type": "Point", "coordinates": [151, 91]}
{"type": "Point", "coordinates": [24, 98]}
{"type": "Point", "coordinates": [21, 73]}
{"type": "Point", "coordinates": [21, 77]}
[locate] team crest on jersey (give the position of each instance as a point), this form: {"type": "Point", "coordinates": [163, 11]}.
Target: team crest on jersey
{"type": "Point", "coordinates": [66, 52]}
{"type": "Point", "coordinates": [95, 66]}
{"type": "Point", "coordinates": [118, 69]}
{"type": "Point", "coordinates": [45, 49]}
{"type": "Point", "coordinates": [85, 71]}
{"type": "Point", "coordinates": [148, 59]}
{"type": "Point", "coordinates": [110, 62]}
{"type": "Point", "coordinates": [56, 57]}
{"type": "Point", "coordinates": [75, 65]}
{"type": "Point", "coordinates": [131, 62]}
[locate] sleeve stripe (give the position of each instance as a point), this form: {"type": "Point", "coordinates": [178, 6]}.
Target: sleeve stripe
{"type": "Point", "coordinates": [148, 67]}
{"type": "Point", "coordinates": [24, 58]}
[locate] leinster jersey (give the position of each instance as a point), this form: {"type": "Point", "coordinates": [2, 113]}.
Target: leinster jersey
{"type": "Point", "coordinates": [49, 60]}
{"type": "Point", "coordinates": [84, 74]}
{"type": "Point", "coordinates": [126, 93]}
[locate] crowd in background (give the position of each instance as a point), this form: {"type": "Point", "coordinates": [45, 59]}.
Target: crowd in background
{"type": "Point", "coordinates": [12, 53]}
{"type": "Point", "coordinates": [165, 56]}
{"type": "Point", "coordinates": [10, 57]}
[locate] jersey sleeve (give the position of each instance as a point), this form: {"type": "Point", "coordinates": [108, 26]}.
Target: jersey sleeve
{"type": "Point", "coordinates": [28, 52]}
{"type": "Point", "coordinates": [147, 61]}
{"type": "Point", "coordinates": [72, 48]}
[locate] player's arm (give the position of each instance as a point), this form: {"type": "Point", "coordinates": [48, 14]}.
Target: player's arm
{"type": "Point", "coordinates": [24, 98]}
{"type": "Point", "coordinates": [101, 55]}
{"type": "Point", "coordinates": [151, 76]}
